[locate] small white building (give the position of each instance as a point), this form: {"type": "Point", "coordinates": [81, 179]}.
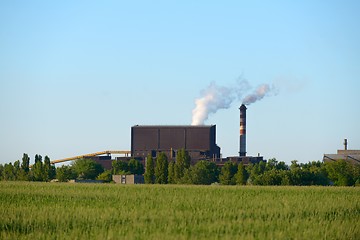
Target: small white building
{"type": "Point", "coordinates": [128, 179]}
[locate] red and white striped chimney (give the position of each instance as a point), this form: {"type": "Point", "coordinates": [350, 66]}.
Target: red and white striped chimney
{"type": "Point", "coordinates": [242, 151]}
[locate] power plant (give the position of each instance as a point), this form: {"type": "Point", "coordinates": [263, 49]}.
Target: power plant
{"type": "Point", "coordinates": [199, 141]}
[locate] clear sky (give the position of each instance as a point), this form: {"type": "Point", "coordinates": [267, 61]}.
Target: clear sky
{"type": "Point", "coordinates": [76, 75]}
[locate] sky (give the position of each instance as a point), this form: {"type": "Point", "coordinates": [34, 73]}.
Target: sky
{"type": "Point", "coordinates": [76, 75]}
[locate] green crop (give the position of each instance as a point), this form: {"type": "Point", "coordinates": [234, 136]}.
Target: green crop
{"type": "Point", "coordinates": [31, 210]}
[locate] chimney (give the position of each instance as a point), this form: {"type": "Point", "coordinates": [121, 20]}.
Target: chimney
{"type": "Point", "coordinates": [345, 143]}
{"type": "Point", "coordinates": [242, 151]}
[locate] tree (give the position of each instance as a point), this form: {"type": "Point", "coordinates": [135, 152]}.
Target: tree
{"type": "Point", "coordinates": [317, 173]}
{"type": "Point", "coordinates": [307, 174]}
{"type": "Point", "coordinates": [182, 163]}
{"type": "Point", "coordinates": [37, 169]}
{"type": "Point", "coordinates": [24, 170]}
{"type": "Point", "coordinates": [106, 176]}
{"type": "Point", "coordinates": [274, 164]}
{"type": "Point", "coordinates": [1, 172]}
{"type": "Point", "coordinates": [120, 167]}
{"type": "Point", "coordinates": [65, 173]}
{"type": "Point", "coordinates": [341, 173]}
{"type": "Point", "coordinates": [285, 178]}
{"type": "Point", "coordinates": [17, 169]}
{"type": "Point", "coordinates": [49, 170]}
{"type": "Point", "coordinates": [135, 167]}
{"type": "Point", "coordinates": [8, 172]}
{"type": "Point", "coordinates": [227, 173]}
{"type": "Point", "coordinates": [294, 165]}
{"type": "Point", "coordinates": [256, 170]}
{"type": "Point", "coordinates": [25, 163]}
{"type": "Point", "coordinates": [271, 164]}
{"type": "Point", "coordinates": [241, 176]}
{"type": "Point", "coordinates": [282, 166]}
{"type": "Point", "coordinates": [171, 173]}
{"type": "Point", "coordinates": [204, 173]}
{"type": "Point", "coordinates": [270, 177]}
{"type": "Point", "coordinates": [356, 174]}
{"type": "Point", "coordinates": [187, 178]}
{"type": "Point", "coordinates": [161, 169]}
{"type": "Point", "coordinates": [87, 168]}
{"type": "Point", "coordinates": [149, 176]}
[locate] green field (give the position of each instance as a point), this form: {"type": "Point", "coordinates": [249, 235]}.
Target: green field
{"type": "Point", "coordinates": [31, 210]}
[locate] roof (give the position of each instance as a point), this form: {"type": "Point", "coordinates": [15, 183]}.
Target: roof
{"type": "Point", "coordinates": [173, 126]}
{"type": "Point", "coordinates": [349, 152]}
{"type": "Point", "coordinates": [347, 157]}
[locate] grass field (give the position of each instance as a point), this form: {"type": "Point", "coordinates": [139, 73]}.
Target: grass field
{"type": "Point", "coordinates": [107, 211]}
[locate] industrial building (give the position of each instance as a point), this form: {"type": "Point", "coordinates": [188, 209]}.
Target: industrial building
{"type": "Point", "coordinates": [198, 141]}
{"type": "Point", "coordinates": [352, 156]}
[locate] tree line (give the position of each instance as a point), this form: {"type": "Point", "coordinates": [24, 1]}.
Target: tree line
{"type": "Point", "coordinates": [40, 171]}
{"type": "Point", "coordinates": [160, 170]}
{"type": "Point", "coordinates": [44, 171]}
{"type": "Point", "coordinates": [272, 172]}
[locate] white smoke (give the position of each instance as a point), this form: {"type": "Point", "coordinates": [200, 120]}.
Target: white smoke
{"type": "Point", "coordinates": [215, 97]}
{"type": "Point", "coordinates": [257, 95]}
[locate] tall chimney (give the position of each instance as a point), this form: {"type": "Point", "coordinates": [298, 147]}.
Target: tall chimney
{"type": "Point", "coordinates": [345, 143]}
{"type": "Point", "coordinates": [242, 151]}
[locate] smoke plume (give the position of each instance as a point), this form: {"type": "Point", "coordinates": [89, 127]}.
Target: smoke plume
{"type": "Point", "coordinates": [257, 95]}
{"type": "Point", "coordinates": [215, 97]}
{"type": "Point", "coordinates": [212, 99]}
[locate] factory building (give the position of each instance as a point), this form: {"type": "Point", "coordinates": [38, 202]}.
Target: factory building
{"type": "Point", "coordinates": [198, 141]}
{"type": "Point", "coordinates": [352, 156]}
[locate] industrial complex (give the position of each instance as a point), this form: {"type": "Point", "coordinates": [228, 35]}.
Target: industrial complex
{"type": "Point", "coordinates": [199, 141]}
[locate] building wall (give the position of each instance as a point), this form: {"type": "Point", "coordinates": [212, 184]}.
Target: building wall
{"type": "Point", "coordinates": [104, 161]}
{"type": "Point", "coordinates": [199, 141]}
{"type": "Point", "coordinates": [128, 179]}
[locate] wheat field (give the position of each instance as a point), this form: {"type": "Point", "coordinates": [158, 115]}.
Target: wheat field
{"type": "Point", "coordinates": [30, 210]}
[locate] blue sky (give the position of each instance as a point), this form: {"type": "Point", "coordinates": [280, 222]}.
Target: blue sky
{"type": "Point", "coordinates": [76, 75]}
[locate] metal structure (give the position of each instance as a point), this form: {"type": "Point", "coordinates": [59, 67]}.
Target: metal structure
{"type": "Point", "coordinates": [198, 141]}
{"type": "Point", "coordinates": [90, 155]}
{"type": "Point", "coordinates": [242, 150]}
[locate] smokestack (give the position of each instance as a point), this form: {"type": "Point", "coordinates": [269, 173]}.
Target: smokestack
{"type": "Point", "coordinates": [345, 143]}
{"type": "Point", "coordinates": [242, 151]}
